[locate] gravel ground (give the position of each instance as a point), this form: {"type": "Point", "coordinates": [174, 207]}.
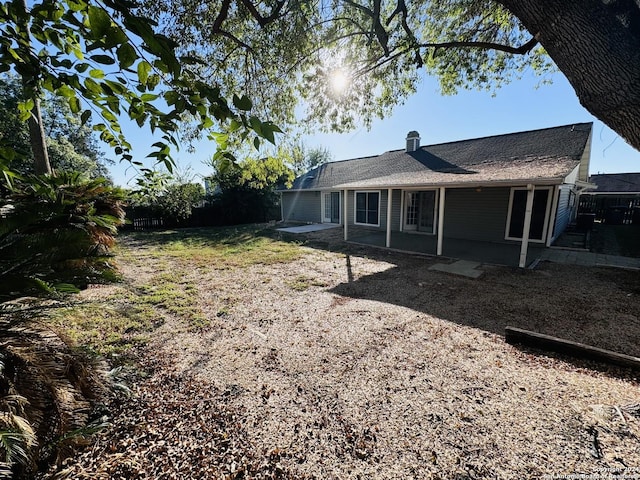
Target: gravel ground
{"type": "Point", "coordinates": [360, 363]}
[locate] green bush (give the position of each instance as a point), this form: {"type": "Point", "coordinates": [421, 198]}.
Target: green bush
{"type": "Point", "coordinates": [56, 232]}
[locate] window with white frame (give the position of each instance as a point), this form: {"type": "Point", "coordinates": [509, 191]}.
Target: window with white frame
{"type": "Point", "coordinates": [367, 209]}
{"type": "Point", "coordinates": [539, 214]}
{"type": "Point", "coordinates": [420, 211]}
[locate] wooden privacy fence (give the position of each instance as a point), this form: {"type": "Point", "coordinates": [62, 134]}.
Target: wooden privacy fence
{"type": "Point", "coordinates": [612, 209]}
{"type": "Point", "coordinates": [210, 216]}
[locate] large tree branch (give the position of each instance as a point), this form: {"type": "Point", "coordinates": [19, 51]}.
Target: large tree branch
{"type": "Point", "coordinates": [401, 8]}
{"type": "Point", "coordinates": [264, 21]}
{"type": "Point", "coordinates": [377, 29]}
{"type": "Point", "coordinates": [596, 45]}
{"type": "Point", "coordinates": [236, 40]}
{"type": "Point", "coordinates": [222, 16]}
{"type": "Point", "coordinates": [521, 50]}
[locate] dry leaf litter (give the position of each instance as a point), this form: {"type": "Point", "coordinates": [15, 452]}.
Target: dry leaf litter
{"type": "Point", "coordinates": [363, 364]}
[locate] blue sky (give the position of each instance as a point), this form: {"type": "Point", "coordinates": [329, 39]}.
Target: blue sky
{"type": "Point", "coordinates": [517, 107]}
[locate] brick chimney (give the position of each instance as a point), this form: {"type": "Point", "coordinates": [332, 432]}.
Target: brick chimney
{"type": "Point", "coordinates": [413, 141]}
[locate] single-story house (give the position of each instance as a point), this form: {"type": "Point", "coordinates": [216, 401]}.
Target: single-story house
{"type": "Point", "coordinates": [614, 198]}
{"type": "Point", "coordinates": [508, 195]}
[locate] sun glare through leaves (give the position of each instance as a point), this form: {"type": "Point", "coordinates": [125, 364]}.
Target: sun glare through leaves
{"type": "Point", "coordinates": [339, 81]}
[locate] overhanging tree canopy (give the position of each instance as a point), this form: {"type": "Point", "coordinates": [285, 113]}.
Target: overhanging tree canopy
{"type": "Point", "coordinates": [284, 50]}
{"type": "Point", "coordinates": [107, 61]}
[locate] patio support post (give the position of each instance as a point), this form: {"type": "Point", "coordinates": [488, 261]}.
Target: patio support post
{"type": "Point", "coordinates": [527, 226]}
{"type": "Point", "coordinates": [440, 221]}
{"type": "Point", "coordinates": [402, 213]}
{"type": "Point", "coordinates": [345, 215]}
{"type": "Point", "coordinates": [389, 193]}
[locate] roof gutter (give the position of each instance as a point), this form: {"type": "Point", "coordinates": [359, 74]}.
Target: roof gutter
{"type": "Point", "coordinates": [489, 183]}
{"type": "Point", "coordinates": [582, 185]}
{"type": "Point", "coordinates": [322, 189]}
{"type": "Point", "coordinates": [611, 193]}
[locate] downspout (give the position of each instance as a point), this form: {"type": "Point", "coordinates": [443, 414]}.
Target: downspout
{"type": "Point", "coordinates": [527, 226]}
{"type": "Point", "coordinates": [389, 194]}
{"type": "Point", "coordinates": [440, 221]}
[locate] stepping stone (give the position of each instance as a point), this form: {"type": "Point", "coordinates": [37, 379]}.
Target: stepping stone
{"type": "Point", "coordinates": [466, 268]}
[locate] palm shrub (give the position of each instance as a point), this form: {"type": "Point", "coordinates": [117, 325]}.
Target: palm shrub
{"type": "Point", "coordinates": [17, 437]}
{"type": "Point", "coordinates": [55, 236]}
{"type": "Point", "coordinates": [56, 233]}
{"type": "Point", "coordinates": [47, 391]}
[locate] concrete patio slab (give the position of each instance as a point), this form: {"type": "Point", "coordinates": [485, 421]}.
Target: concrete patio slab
{"type": "Point", "coordinates": [314, 227]}
{"type": "Point", "coordinates": [589, 259]}
{"type": "Point", "coordinates": [466, 268]}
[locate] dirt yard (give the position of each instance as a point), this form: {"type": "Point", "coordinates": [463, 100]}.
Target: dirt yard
{"type": "Point", "coordinates": [357, 363]}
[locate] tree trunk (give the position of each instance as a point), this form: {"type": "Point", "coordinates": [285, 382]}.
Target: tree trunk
{"type": "Point", "coordinates": [38, 140]}
{"type": "Point", "coordinates": [596, 45]}
{"type": "Point", "coordinates": [36, 129]}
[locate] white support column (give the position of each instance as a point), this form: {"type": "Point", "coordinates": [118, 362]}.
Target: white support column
{"type": "Point", "coordinates": [346, 215]}
{"type": "Point", "coordinates": [527, 226]}
{"type": "Point", "coordinates": [553, 214]}
{"type": "Point", "coordinates": [389, 194]}
{"type": "Point", "coordinates": [440, 220]}
{"type": "Point", "coordinates": [402, 195]}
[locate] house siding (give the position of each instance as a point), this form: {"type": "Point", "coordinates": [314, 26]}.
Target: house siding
{"type": "Point", "coordinates": [585, 160]}
{"type": "Point", "coordinates": [476, 215]}
{"type": "Point", "coordinates": [301, 207]}
{"type": "Point", "coordinates": [564, 215]}
{"type": "Point", "coordinates": [396, 214]}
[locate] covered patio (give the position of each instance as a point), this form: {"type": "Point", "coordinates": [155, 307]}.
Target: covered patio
{"type": "Point", "coordinates": [485, 252]}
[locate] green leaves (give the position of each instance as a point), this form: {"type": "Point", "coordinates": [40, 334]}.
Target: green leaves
{"type": "Point", "coordinates": [55, 233]}
{"type": "Point", "coordinates": [74, 104]}
{"type": "Point", "coordinates": [24, 109]}
{"type": "Point", "coordinates": [99, 22]}
{"type": "Point", "coordinates": [84, 118]}
{"type": "Point", "coordinates": [242, 103]}
{"type": "Point", "coordinates": [268, 129]}
{"type": "Point", "coordinates": [105, 60]}
{"type": "Point", "coordinates": [144, 69]}
{"type": "Point", "coordinates": [96, 73]}
{"type": "Point", "coordinates": [126, 55]}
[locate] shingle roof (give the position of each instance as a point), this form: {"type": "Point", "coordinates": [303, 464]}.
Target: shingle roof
{"type": "Point", "coordinates": [616, 182]}
{"type": "Point", "coordinates": [549, 154]}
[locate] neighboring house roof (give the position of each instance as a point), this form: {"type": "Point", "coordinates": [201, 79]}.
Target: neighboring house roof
{"type": "Point", "coordinates": [616, 183]}
{"type": "Point", "coordinates": [539, 155]}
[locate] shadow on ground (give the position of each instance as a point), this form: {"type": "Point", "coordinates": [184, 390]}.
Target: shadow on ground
{"type": "Point", "coordinates": [593, 305]}
{"type": "Point", "coordinates": [621, 240]}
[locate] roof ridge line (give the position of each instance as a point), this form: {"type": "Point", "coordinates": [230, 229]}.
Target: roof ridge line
{"type": "Point", "coordinates": [466, 140]}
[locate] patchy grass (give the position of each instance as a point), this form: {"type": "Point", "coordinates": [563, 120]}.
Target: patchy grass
{"type": "Point", "coordinates": [230, 247]}
{"type": "Point", "coordinates": [303, 282]}
{"type": "Point", "coordinates": [390, 370]}
{"type": "Point", "coordinates": [106, 329]}
{"type": "Point", "coordinates": [174, 297]}
{"type": "Point", "coordinates": [126, 318]}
